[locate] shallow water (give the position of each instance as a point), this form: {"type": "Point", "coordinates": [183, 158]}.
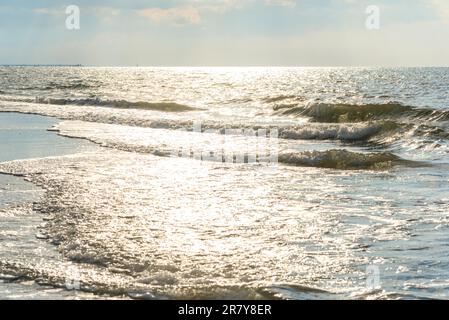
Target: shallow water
{"type": "Point", "coordinates": [22, 137]}
{"type": "Point", "coordinates": [343, 192]}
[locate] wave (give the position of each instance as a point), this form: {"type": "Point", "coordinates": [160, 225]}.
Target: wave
{"type": "Point", "coordinates": [342, 132]}
{"type": "Point", "coordinates": [432, 132]}
{"type": "Point", "coordinates": [305, 131]}
{"type": "Point", "coordinates": [375, 131]}
{"type": "Point", "coordinates": [56, 86]}
{"type": "Point", "coordinates": [339, 113]}
{"type": "Point", "coordinates": [107, 282]}
{"type": "Point", "coordinates": [119, 104]}
{"type": "Point", "coordinates": [65, 86]}
{"type": "Point", "coordinates": [280, 98]}
{"type": "Point", "coordinates": [345, 160]}
{"type": "Point", "coordinates": [236, 150]}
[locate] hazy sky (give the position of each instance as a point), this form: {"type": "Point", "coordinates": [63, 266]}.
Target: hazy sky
{"type": "Point", "coordinates": [225, 32]}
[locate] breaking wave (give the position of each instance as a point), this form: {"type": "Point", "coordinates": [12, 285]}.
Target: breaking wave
{"type": "Point", "coordinates": [338, 113]}
{"type": "Point", "coordinates": [342, 132]}
{"type": "Point", "coordinates": [375, 131]}
{"type": "Point", "coordinates": [344, 160]}
{"type": "Point", "coordinates": [237, 150]}
{"type": "Point", "coordinates": [280, 98]}
{"type": "Point", "coordinates": [119, 104]}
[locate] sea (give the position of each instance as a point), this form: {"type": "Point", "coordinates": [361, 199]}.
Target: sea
{"type": "Point", "coordinates": [224, 183]}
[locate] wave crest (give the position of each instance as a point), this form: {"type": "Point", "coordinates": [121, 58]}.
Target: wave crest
{"type": "Point", "coordinates": [338, 113]}
{"type": "Point", "coordinates": [342, 132]}
{"type": "Point", "coordinates": [343, 160]}
{"type": "Point", "coordinates": [119, 104]}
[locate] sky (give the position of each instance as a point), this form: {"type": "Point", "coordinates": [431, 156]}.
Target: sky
{"type": "Point", "coordinates": [226, 33]}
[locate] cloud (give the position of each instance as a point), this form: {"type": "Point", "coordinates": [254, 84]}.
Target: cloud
{"type": "Point", "coordinates": [441, 6]}
{"type": "Point", "coordinates": [106, 14]}
{"type": "Point", "coordinates": [48, 11]}
{"type": "Point", "coordinates": [282, 3]}
{"type": "Point", "coordinates": [41, 11]}
{"type": "Point", "coordinates": [182, 12]}
{"type": "Point", "coordinates": [191, 11]}
{"type": "Point", "coordinates": [103, 13]}
{"type": "Point", "coordinates": [176, 15]}
{"type": "Point", "coordinates": [219, 6]}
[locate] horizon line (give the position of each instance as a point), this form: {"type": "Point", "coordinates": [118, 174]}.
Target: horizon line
{"type": "Point", "coordinates": [214, 66]}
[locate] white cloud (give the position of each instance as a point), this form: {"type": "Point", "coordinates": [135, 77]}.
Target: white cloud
{"type": "Point", "coordinates": [103, 13]}
{"type": "Point", "coordinates": [219, 5]}
{"type": "Point", "coordinates": [282, 3]}
{"type": "Point", "coordinates": [49, 11]}
{"type": "Point", "coordinates": [41, 10]}
{"type": "Point", "coordinates": [442, 7]}
{"type": "Point", "coordinates": [176, 15]}
{"type": "Point", "coordinates": [191, 11]}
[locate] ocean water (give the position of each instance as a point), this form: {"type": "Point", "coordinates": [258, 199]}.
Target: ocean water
{"type": "Point", "coordinates": [253, 183]}
{"type": "Point", "coordinates": [25, 137]}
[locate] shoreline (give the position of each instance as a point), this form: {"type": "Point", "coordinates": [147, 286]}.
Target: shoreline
{"type": "Point", "coordinates": [23, 137]}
